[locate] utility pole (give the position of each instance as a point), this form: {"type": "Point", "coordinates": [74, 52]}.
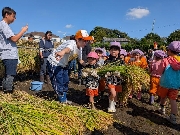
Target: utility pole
{"type": "Point", "coordinates": [154, 42]}
{"type": "Point", "coordinates": [153, 25]}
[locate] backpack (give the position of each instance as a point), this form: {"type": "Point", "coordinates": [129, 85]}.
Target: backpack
{"type": "Point", "coordinates": [170, 78]}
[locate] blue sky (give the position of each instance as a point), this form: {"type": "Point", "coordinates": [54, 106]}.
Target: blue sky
{"type": "Point", "coordinates": [65, 17]}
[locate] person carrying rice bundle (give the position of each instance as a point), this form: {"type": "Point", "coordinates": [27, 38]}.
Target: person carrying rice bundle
{"type": "Point", "coordinates": [113, 80]}
{"type": "Point", "coordinates": [90, 77]}
{"type": "Point", "coordinates": [138, 60]}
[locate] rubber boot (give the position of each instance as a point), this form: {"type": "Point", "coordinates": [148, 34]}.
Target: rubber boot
{"type": "Point", "coordinates": [62, 98]}
{"type": "Point", "coordinates": [7, 83]}
{"type": "Point", "coordinates": [111, 107]}
{"type": "Point", "coordinates": [42, 78]}
{"type": "Point", "coordinates": [151, 100]}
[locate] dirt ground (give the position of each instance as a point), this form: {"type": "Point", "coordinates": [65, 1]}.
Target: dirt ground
{"type": "Point", "coordinates": [138, 118]}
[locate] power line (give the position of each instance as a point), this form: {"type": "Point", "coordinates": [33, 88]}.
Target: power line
{"type": "Point", "coordinates": [159, 27]}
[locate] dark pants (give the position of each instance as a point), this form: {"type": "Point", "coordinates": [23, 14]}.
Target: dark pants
{"type": "Point", "coordinates": [72, 66]}
{"type": "Point", "coordinates": [79, 70]}
{"type": "Point", "coordinates": [59, 78]}
{"type": "Point", "coordinates": [10, 66]}
{"type": "Point", "coordinates": [43, 70]}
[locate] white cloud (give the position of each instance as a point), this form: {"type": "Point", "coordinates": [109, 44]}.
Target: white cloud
{"type": "Point", "coordinates": [137, 13]}
{"type": "Point", "coordinates": [68, 26]}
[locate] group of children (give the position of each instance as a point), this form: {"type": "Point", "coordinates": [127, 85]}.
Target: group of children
{"type": "Point", "coordinates": [164, 69]}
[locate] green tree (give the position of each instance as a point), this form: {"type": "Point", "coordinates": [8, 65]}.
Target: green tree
{"type": "Point", "coordinates": [174, 36]}
{"type": "Point", "coordinates": [148, 41]}
{"type": "Point", "coordinates": [100, 32]}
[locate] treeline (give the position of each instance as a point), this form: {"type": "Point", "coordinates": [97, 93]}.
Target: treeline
{"type": "Point", "coordinates": [145, 43]}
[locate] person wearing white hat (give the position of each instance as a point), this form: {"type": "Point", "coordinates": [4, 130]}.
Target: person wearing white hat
{"type": "Point", "coordinates": [58, 62]}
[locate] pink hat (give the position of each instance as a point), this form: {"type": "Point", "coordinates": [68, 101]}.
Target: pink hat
{"type": "Point", "coordinates": [123, 52]}
{"type": "Point", "coordinates": [160, 54]}
{"type": "Point", "coordinates": [93, 55]}
{"type": "Point", "coordinates": [115, 44]}
{"type": "Point", "coordinates": [174, 46]}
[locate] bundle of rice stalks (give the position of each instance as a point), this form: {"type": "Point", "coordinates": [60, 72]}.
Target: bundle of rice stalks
{"type": "Point", "coordinates": [30, 60]}
{"type": "Point", "coordinates": [133, 77]}
{"type": "Point", "coordinates": [27, 43]}
{"type": "Point", "coordinates": [21, 113]}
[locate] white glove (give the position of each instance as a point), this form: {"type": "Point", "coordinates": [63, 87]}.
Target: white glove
{"type": "Point", "coordinates": [84, 74]}
{"type": "Point", "coordinates": [94, 73]}
{"type": "Point", "coordinates": [107, 74]}
{"type": "Point", "coordinates": [116, 73]}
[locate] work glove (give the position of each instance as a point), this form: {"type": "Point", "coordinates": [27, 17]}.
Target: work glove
{"type": "Point", "coordinates": [84, 74]}
{"type": "Point", "coordinates": [117, 74]}
{"type": "Point", "coordinates": [94, 73]}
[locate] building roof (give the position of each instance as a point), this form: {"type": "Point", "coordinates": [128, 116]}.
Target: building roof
{"type": "Point", "coordinates": [66, 38]}
{"type": "Point", "coordinates": [41, 34]}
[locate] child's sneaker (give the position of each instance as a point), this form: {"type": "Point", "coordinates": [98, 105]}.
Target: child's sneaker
{"type": "Point", "coordinates": [172, 119]}
{"type": "Point", "coordinates": [111, 107]}
{"type": "Point", "coordinates": [151, 100]}
{"type": "Point", "coordinates": [162, 110]}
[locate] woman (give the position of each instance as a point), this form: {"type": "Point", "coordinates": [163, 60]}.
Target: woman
{"type": "Point", "coordinates": [46, 46]}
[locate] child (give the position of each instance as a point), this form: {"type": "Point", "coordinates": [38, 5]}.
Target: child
{"type": "Point", "coordinates": [123, 54]}
{"type": "Point", "coordinates": [100, 53]}
{"type": "Point", "coordinates": [113, 81]}
{"type": "Point", "coordinates": [102, 57]}
{"type": "Point", "coordinates": [170, 80]}
{"type": "Point", "coordinates": [58, 63]}
{"type": "Point", "coordinates": [155, 74]}
{"type": "Point", "coordinates": [138, 60]}
{"type": "Point", "coordinates": [91, 78]}
{"type": "Point", "coordinates": [8, 47]}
